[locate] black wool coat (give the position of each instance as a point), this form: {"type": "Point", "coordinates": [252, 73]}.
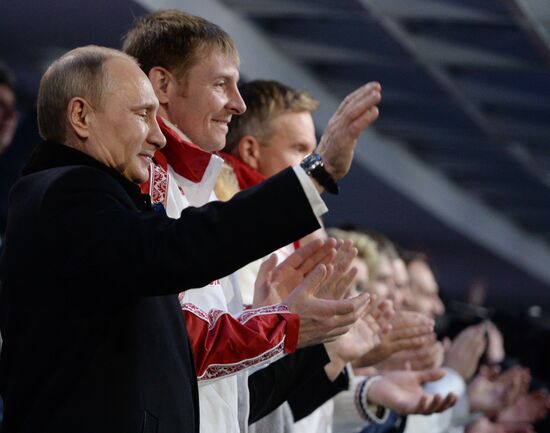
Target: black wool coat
{"type": "Point", "coordinates": [94, 338]}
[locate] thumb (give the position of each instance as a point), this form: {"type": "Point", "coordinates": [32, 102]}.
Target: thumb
{"type": "Point", "coordinates": [265, 269]}
{"type": "Point", "coordinates": [269, 264]}
{"type": "Point", "coordinates": [431, 375]}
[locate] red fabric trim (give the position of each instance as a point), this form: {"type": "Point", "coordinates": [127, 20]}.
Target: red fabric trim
{"type": "Point", "coordinates": [224, 345]}
{"type": "Point", "coordinates": [186, 158]}
{"type": "Point", "coordinates": [246, 175]}
{"type": "Point", "coordinates": [217, 371]}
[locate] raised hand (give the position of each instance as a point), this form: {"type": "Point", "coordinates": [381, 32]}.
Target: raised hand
{"type": "Point", "coordinates": [356, 112]}
{"type": "Point", "coordinates": [361, 338]}
{"type": "Point", "coordinates": [465, 351]}
{"type": "Point", "coordinates": [492, 395]}
{"type": "Point", "coordinates": [409, 330]}
{"type": "Point", "coordinates": [528, 408]}
{"type": "Point", "coordinates": [275, 283]}
{"type": "Point", "coordinates": [517, 379]}
{"type": "Point", "coordinates": [322, 320]}
{"type": "Point", "coordinates": [402, 392]}
{"type": "Point", "coordinates": [337, 285]}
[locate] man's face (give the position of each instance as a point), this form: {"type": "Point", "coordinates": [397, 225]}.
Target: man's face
{"type": "Point", "coordinates": [401, 284]}
{"type": "Point", "coordinates": [425, 291]}
{"type": "Point", "coordinates": [8, 116]}
{"type": "Point", "coordinates": [124, 133]}
{"type": "Point", "coordinates": [384, 278]}
{"type": "Point", "coordinates": [361, 281]}
{"type": "Point", "coordinates": [293, 138]}
{"type": "Point", "coordinates": [206, 98]}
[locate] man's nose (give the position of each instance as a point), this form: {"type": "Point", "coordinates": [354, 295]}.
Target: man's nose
{"type": "Point", "coordinates": [156, 136]}
{"type": "Point", "coordinates": [236, 103]}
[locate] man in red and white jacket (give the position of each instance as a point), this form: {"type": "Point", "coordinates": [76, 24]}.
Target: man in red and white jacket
{"type": "Point", "coordinates": [183, 175]}
{"type": "Point", "coordinates": [198, 95]}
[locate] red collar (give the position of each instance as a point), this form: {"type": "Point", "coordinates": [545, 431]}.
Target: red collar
{"type": "Point", "coordinates": [246, 175]}
{"type": "Point", "coordinates": [187, 159]}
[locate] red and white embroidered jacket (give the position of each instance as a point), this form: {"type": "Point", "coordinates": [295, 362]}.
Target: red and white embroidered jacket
{"type": "Point", "coordinates": [223, 344]}
{"type": "Point", "coordinates": [184, 175]}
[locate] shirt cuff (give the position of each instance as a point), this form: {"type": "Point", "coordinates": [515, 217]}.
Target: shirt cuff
{"type": "Point", "coordinates": [371, 412]}
{"type": "Point", "coordinates": [317, 204]}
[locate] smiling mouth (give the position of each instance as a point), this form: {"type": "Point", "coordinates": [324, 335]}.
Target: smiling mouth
{"type": "Point", "coordinates": [222, 122]}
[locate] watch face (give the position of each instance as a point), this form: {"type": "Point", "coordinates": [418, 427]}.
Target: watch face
{"type": "Point", "coordinates": [311, 162]}
{"type": "Point", "coordinates": [314, 167]}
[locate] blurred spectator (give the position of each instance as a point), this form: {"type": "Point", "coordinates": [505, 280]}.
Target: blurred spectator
{"type": "Point", "coordinates": [8, 112]}
{"type": "Point", "coordinates": [424, 288]}
{"type": "Point", "coordinates": [8, 125]}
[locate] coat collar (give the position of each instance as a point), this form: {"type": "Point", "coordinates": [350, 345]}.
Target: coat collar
{"type": "Point", "coordinates": [50, 154]}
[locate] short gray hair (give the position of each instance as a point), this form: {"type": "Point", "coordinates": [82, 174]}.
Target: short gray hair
{"type": "Point", "coordinates": [78, 73]}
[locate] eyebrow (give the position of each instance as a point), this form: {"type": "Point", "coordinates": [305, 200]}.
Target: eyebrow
{"type": "Point", "coordinates": [149, 107]}
{"type": "Point", "coordinates": [226, 74]}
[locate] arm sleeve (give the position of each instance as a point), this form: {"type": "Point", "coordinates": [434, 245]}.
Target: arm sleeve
{"type": "Point", "coordinates": [315, 392]}
{"type": "Point", "coordinates": [317, 204]}
{"type": "Point", "coordinates": [271, 386]}
{"type": "Point", "coordinates": [352, 411]}
{"type": "Point", "coordinates": [147, 253]}
{"type": "Point", "coordinates": [395, 423]}
{"type": "Point", "coordinates": [224, 345]}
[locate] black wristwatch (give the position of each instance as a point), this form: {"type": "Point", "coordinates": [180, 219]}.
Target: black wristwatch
{"type": "Point", "coordinates": [314, 167]}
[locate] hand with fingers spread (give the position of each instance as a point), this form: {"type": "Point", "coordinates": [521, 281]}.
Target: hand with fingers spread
{"type": "Point", "coordinates": [402, 392]}
{"type": "Point", "coordinates": [409, 330]}
{"type": "Point", "coordinates": [356, 112]}
{"type": "Point", "coordinates": [275, 283]}
{"type": "Point", "coordinates": [528, 408]}
{"type": "Point", "coordinates": [360, 339]}
{"type": "Point", "coordinates": [492, 395]}
{"type": "Point", "coordinates": [381, 317]}
{"type": "Point", "coordinates": [322, 320]}
{"type": "Point", "coordinates": [465, 351]}
{"type": "Point", "coordinates": [337, 285]}
{"type": "Point", "coordinates": [516, 379]}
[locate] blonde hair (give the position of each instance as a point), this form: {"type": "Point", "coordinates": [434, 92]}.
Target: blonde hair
{"type": "Point", "coordinates": [227, 184]}
{"type": "Point", "coordinates": [78, 73]}
{"type": "Point", "coordinates": [174, 40]}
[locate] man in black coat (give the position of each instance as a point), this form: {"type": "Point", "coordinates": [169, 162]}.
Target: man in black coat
{"type": "Point", "coordinates": [94, 340]}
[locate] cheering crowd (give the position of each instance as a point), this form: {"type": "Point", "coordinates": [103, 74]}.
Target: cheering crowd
{"type": "Point", "coordinates": [182, 279]}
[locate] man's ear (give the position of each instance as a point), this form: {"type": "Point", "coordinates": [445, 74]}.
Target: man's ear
{"type": "Point", "coordinates": [79, 113]}
{"type": "Point", "coordinates": [161, 80]}
{"type": "Point", "coordinates": [248, 149]}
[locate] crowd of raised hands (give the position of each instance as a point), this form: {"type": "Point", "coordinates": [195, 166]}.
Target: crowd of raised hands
{"type": "Point", "coordinates": [375, 311]}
